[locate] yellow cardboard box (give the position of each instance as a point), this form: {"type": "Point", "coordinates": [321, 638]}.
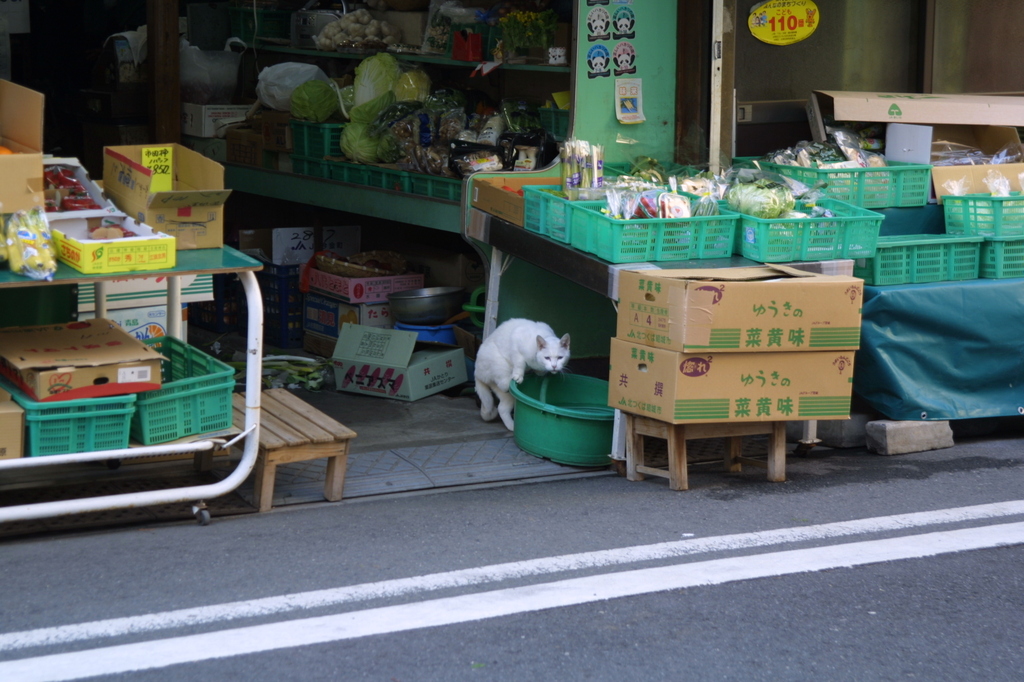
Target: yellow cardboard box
{"type": "Point", "coordinates": [682, 388]}
{"type": "Point", "coordinates": [192, 211]}
{"type": "Point", "coordinates": [12, 427]}
{"type": "Point", "coordinates": [149, 250]}
{"type": "Point", "coordinates": [21, 131]}
{"type": "Point", "coordinates": [489, 194]}
{"type": "Point", "coordinates": [740, 310]}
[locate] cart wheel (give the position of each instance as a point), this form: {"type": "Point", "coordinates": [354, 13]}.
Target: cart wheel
{"type": "Point", "coordinates": [201, 513]}
{"type": "Point", "coordinates": [113, 464]}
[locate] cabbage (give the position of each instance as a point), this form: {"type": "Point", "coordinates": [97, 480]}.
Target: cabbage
{"type": "Point", "coordinates": [358, 144]}
{"type": "Point", "coordinates": [314, 100]}
{"type": "Point", "coordinates": [412, 85]}
{"type": "Point", "coordinates": [760, 199]}
{"type": "Point", "coordinates": [374, 76]}
{"type": "Point", "coordinates": [368, 112]}
{"type": "Point", "coordinates": [388, 150]}
{"type": "Point", "coordinates": [348, 100]}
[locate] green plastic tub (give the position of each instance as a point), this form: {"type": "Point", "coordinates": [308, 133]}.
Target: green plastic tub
{"type": "Point", "coordinates": [564, 418]}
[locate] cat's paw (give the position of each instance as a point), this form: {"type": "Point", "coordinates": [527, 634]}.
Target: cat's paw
{"type": "Point", "coordinates": [518, 377]}
{"type": "Point", "coordinates": [488, 415]}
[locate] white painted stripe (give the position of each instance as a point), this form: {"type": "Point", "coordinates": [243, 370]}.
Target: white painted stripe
{"type": "Point", "coordinates": [434, 613]}
{"type": "Point", "coordinates": [115, 627]}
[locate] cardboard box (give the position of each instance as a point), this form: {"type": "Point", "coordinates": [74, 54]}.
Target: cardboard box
{"type": "Point", "coordinates": [318, 344]}
{"type": "Point", "coordinates": [149, 250]}
{"type": "Point", "coordinates": [279, 245]}
{"type": "Point", "coordinates": [906, 141]}
{"type": "Point", "coordinates": [682, 388]}
{"type": "Point", "coordinates": [85, 359]}
{"type": "Point", "coordinates": [740, 310]}
{"type": "Point", "coordinates": [362, 289]}
{"type": "Point", "coordinates": [324, 315]}
{"type": "Point", "coordinates": [244, 146]}
{"type": "Point", "coordinates": [192, 211]}
{"type": "Point", "coordinates": [99, 134]}
{"type": "Point", "coordinates": [392, 363]}
{"type": "Point", "coordinates": [210, 120]}
{"type": "Point", "coordinates": [489, 196]}
{"type": "Point", "coordinates": [145, 291]}
{"type": "Point", "coordinates": [442, 268]}
{"type": "Point", "coordinates": [21, 131]}
{"type": "Point", "coordinates": [342, 240]}
{"type": "Point", "coordinates": [81, 175]}
{"type": "Point", "coordinates": [276, 129]}
{"type": "Point", "coordinates": [215, 148]}
{"type": "Point", "coordinates": [12, 427]}
{"type": "Point", "coordinates": [889, 107]}
{"type": "Point", "coordinates": [144, 323]}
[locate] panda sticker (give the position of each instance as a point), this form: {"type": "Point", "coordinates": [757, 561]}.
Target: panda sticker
{"type": "Point", "coordinates": [623, 24]}
{"type": "Point", "coordinates": [598, 61]}
{"type": "Point", "coordinates": [624, 56]}
{"type": "Point", "coordinates": [598, 23]}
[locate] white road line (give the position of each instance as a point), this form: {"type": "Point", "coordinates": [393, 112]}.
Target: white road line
{"type": "Point", "coordinates": [115, 627]}
{"type": "Point", "coordinates": [467, 608]}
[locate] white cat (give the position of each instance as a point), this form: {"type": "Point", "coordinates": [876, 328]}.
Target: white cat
{"type": "Point", "coordinates": [505, 355]}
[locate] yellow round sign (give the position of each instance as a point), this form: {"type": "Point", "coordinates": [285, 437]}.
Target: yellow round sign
{"type": "Point", "coordinates": [783, 22]}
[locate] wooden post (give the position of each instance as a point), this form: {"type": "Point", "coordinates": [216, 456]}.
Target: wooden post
{"type": "Point", "coordinates": [164, 71]}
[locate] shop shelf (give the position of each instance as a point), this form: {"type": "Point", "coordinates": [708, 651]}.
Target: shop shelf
{"type": "Point", "coordinates": [850, 232]}
{"type": "Point", "coordinates": [921, 258]}
{"type": "Point", "coordinates": [247, 23]}
{"type": "Point", "coordinates": [1002, 258]}
{"type": "Point", "coordinates": [313, 167]}
{"type": "Point", "coordinates": [70, 426]}
{"type": "Point", "coordinates": [195, 396]}
{"type": "Point", "coordinates": [221, 314]}
{"type": "Point", "coordinates": [551, 215]}
{"type": "Point", "coordinates": [896, 185]}
{"type": "Point", "coordinates": [435, 186]}
{"type": "Point", "coordinates": [984, 214]}
{"type": "Point", "coordinates": [282, 305]}
{"type": "Point", "coordinates": [555, 121]}
{"type": "Point", "coordinates": [316, 140]}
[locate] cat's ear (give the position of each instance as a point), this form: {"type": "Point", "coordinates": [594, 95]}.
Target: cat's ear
{"type": "Point", "coordinates": [564, 342]}
{"type": "Point", "coordinates": [540, 343]}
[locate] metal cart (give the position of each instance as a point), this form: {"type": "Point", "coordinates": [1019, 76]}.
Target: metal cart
{"type": "Point", "coordinates": [192, 262]}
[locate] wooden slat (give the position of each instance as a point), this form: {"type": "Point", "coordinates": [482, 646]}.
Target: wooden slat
{"type": "Point", "coordinates": [269, 438]}
{"type": "Point", "coordinates": [318, 426]}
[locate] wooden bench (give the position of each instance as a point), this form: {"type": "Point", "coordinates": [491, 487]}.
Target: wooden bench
{"type": "Point", "coordinates": [676, 435]}
{"type": "Point", "coordinates": [292, 430]}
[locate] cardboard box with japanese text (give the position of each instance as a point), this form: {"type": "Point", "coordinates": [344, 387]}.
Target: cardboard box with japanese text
{"type": "Point", "coordinates": [192, 211]}
{"type": "Point", "coordinates": [84, 359]}
{"type": "Point", "coordinates": [21, 131]}
{"type": "Point", "coordinates": [681, 388]}
{"type": "Point", "coordinates": [12, 427]}
{"type": "Point", "coordinates": [769, 308]}
{"type": "Point", "coordinates": [360, 289]}
{"type": "Point", "coordinates": [324, 315]}
{"type": "Point", "coordinates": [393, 363]}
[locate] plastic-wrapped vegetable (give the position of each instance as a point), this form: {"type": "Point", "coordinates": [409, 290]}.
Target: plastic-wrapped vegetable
{"type": "Point", "coordinates": [347, 100]}
{"type": "Point", "coordinates": [520, 115]}
{"type": "Point", "coordinates": [761, 198]}
{"type": "Point", "coordinates": [412, 86]}
{"type": "Point", "coordinates": [29, 248]}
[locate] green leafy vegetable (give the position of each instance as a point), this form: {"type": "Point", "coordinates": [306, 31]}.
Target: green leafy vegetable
{"type": "Point", "coordinates": [314, 100]}
{"type": "Point", "coordinates": [358, 144]}
{"type": "Point", "coordinates": [374, 76]}
{"type": "Point", "coordinates": [760, 198]}
{"type": "Point", "coordinates": [412, 85]}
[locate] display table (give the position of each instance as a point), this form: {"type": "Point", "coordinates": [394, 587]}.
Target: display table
{"type": "Point", "coordinates": [199, 261]}
{"type": "Point", "coordinates": [947, 350]}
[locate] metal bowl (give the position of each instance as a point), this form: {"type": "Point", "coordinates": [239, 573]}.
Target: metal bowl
{"type": "Point", "coordinates": [432, 305]}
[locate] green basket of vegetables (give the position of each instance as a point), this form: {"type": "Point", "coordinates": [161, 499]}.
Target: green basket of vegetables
{"type": "Point", "coordinates": [894, 185]}
{"type": "Point", "coordinates": [835, 230]}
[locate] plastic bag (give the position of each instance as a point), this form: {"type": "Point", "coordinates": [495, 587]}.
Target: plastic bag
{"type": "Point", "coordinates": [997, 183]}
{"type": "Point", "coordinates": [275, 83]}
{"type": "Point", "coordinates": [29, 246]}
{"type": "Point", "coordinates": [209, 76]}
{"type": "Point", "coordinates": [958, 188]}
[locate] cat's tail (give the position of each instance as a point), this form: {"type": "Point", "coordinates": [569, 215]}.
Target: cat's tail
{"type": "Point", "coordinates": [488, 410]}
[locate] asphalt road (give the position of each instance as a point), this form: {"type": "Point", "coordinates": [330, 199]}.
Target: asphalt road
{"type": "Point", "coordinates": [858, 567]}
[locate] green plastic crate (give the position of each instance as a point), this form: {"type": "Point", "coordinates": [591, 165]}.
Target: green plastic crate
{"type": "Point", "coordinates": [387, 178]}
{"type": "Point", "coordinates": [851, 233]}
{"type": "Point", "coordinates": [316, 140]}
{"type": "Point", "coordinates": [195, 396]}
{"type": "Point", "coordinates": [1002, 257]}
{"type": "Point", "coordinates": [354, 173]}
{"type": "Point", "coordinates": [896, 185]}
{"type": "Point", "coordinates": [551, 215]}
{"type": "Point", "coordinates": [555, 121]}
{"type": "Point", "coordinates": [984, 214]}
{"type": "Point", "coordinates": [316, 168]}
{"type": "Point", "coordinates": [435, 186]}
{"type": "Point", "coordinates": [263, 23]}
{"type": "Point", "coordinates": [64, 427]}
{"type": "Point", "coordinates": [921, 258]}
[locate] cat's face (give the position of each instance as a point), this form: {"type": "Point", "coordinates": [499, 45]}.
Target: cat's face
{"type": "Point", "coordinates": [551, 356]}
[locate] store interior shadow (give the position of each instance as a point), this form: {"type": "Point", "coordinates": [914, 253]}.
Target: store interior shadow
{"type": "Point", "coordinates": [230, 504]}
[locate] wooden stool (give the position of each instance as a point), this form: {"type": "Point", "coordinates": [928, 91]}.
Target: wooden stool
{"type": "Point", "coordinates": [677, 434]}
{"type": "Point", "coordinates": [292, 430]}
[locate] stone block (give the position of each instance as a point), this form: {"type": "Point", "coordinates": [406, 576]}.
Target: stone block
{"type": "Point", "coordinates": [835, 433]}
{"type": "Point", "coordinates": [887, 437]}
